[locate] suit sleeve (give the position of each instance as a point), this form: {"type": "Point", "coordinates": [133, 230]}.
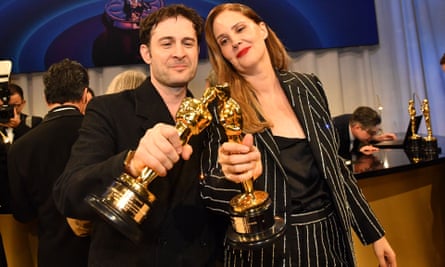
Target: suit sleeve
{"type": "Point", "coordinates": [93, 164]}
{"type": "Point", "coordinates": [21, 198]}
{"type": "Point", "coordinates": [216, 190]}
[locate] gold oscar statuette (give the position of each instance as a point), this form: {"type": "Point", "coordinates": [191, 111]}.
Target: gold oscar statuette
{"type": "Point", "coordinates": [429, 141]}
{"type": "Point", "coordinates": [414, 142]}
{"type": "Point", "coordinates": [412, 119]}
{"type": "Point", "coordinates": [127, 201]}
{"type": "Point", "coordinates": [253, 221]}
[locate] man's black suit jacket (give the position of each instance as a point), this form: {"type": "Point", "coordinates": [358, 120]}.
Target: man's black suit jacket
{"type": "Point", "coordinates": [176, 230]}
{"type": "Point", "coordinates": [341, 124]}
{"type": "Point", "coordinates": [35, 161]}
{"type": "Point", "coordinates": [27, 122]}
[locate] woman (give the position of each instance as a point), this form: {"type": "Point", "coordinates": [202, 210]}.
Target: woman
{"type": "Point", "coordinates": [289, 135]}
{"type": "Point", "coordinates": [125, 80]}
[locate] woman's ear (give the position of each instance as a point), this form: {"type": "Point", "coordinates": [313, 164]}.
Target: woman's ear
{"type": "Point", "coordinates": [263, 28]}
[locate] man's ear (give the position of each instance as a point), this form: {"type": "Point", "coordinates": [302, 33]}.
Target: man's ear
{"type": "Point", "coordinates": [144, 50]}
{"type": "Point", "coordinates": [85, 95]}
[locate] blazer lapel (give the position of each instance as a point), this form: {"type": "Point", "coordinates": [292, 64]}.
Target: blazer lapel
{"type": "Point", "coordinates": [296, 90]}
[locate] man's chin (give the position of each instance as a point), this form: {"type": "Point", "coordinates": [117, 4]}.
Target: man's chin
{"type": "Point", "coordinates": [178, 84]}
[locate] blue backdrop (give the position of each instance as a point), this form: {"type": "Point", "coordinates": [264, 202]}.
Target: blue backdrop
{"type": "Point", "coordinates": [97, 33]}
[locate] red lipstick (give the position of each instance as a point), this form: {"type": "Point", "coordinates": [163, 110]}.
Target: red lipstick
{"type": "Point", "coordinates": [243, 52]}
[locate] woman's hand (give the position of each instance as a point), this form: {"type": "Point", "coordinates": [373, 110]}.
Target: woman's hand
{"type": "Point", "coordinates": [385, 254]}
{"type": "Point", "coordinates": [240, 162]}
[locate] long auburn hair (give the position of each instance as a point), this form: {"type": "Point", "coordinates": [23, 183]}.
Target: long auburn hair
{"type": "Point", "coordinates": [240, 89]}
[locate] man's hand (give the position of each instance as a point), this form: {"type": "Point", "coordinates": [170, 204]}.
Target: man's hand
{"type": "Point", "coordinates": [368, 149]}
{"type": "Point", "coordinates": [80, 227]}
{"type": "Point", "coordinates": [159, 149]}
{"type": "Point", "coordinates": [384, 137]}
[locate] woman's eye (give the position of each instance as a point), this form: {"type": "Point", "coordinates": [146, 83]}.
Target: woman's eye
{"type": "Point", "coordinates": [223, 41]}
{"type": "Point", "coordinates": [240, 29]}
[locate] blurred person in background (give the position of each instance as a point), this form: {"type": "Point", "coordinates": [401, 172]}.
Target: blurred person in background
{"type": "Point", "coordinates": [357, 131]}
{"type": "Point", "coordinates": [128, 79]}
{"type": "Point", "coordinates": [16, 236]}
{"type": "Point", "coordinates": [37, 159]}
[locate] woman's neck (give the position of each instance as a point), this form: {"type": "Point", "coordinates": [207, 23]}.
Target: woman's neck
{"type": "Point", "coordinates": [264, 80]}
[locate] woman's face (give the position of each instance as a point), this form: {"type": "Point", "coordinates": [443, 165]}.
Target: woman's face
{"type": "Point", "coordinates": [241, 40]}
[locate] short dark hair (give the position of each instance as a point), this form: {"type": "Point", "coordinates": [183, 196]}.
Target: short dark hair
{"type": "Point", "coordinates": [442, 59]}
{"type": "Point", "coordinates": [170, 11]}
{"type": "Point", "coordinates": [15, 89]}
{"type": "Point", "coordinates": [65, 81]}
{"type": "Point", "coordinates": [366, 116]}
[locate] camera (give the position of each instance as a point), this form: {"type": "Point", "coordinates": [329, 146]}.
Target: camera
{"type": "Point", "coordinates": [6, 110]}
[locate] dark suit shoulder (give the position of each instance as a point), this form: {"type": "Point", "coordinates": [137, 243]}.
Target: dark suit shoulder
{"type": "Point", "coordinates": [342, 119]}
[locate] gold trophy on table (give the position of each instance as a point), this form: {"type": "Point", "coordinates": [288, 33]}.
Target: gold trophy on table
{"type": "Point", "coordinates": [429, 141]}
{"type": "Point", "coordinates": [253, 221]}
{"type": "Point", "coordinates": [127, 201]}
{"type": "Point", "coordinates": [414, 143]}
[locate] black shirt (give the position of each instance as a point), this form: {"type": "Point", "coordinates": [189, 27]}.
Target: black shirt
{"type": "Point", "coordinates": [308, 189]}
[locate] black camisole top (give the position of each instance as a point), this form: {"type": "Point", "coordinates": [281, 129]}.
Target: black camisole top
{"type": "Point", "coordinates": [308, 190]}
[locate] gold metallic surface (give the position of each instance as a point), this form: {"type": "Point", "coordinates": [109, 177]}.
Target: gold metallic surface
{"type": "Point", "coordinates": [427, 117]}
{"type": "Point", "coordinates": [412, 119]}
{"type": "Point", "coordinates": [129, 196]}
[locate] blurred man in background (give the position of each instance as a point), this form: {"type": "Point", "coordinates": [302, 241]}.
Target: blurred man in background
{"type": "Point", "coordinates": [15, 235]}
{"type": "Point", "coordinates": [37, 159]}
{"type": "Point", "coordinates": [358, 130]}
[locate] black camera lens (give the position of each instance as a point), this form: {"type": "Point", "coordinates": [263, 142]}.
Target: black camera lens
{"type": "Point", "coordinates": [6, 113]}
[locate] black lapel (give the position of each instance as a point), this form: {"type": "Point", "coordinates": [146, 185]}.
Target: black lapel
{"type": "Point", "coordinates": [297, 87]}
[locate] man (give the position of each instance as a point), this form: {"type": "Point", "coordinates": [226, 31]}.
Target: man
{"type": "Point", "coordinates": [10, 131]}
{"type": "Point", "coordinates": [442, 62]}
{"type": "Point", "coordinates": [21, 123]}
{"type": "Point", "coordinates": [37, 160]}
{"type": "Point", "coordinates": [358, 130]}
{"type": "Point", "coordinates": [176, 231]}
{"type": "Point", "coordinates": [14, 235]}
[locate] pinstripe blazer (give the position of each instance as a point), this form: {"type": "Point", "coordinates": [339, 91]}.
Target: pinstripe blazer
{"type": "Point", "coordinates": [308, 100]}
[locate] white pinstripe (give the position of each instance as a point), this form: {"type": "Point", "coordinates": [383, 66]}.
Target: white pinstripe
{"type": "Point", "coordinates": [309, 102]}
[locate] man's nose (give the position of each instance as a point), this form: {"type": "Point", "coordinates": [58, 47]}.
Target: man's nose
{"type": "Point", "coordinates": [179, 51]}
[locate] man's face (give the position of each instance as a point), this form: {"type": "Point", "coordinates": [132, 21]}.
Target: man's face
{"type": "Point", "coordinates": [365, 134]}
{"type": "Point", "coordinates": [173, 53]}
{"type": "Point", "coordinates": [17, 102]}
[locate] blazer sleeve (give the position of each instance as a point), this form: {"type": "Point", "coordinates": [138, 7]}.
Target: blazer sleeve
{"type": "Point", "coordinates": [93, 164]}
{"type": "Point", "coordinates": [216, 190]}
{"type": "Point", "coordinates": [363, 219]}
